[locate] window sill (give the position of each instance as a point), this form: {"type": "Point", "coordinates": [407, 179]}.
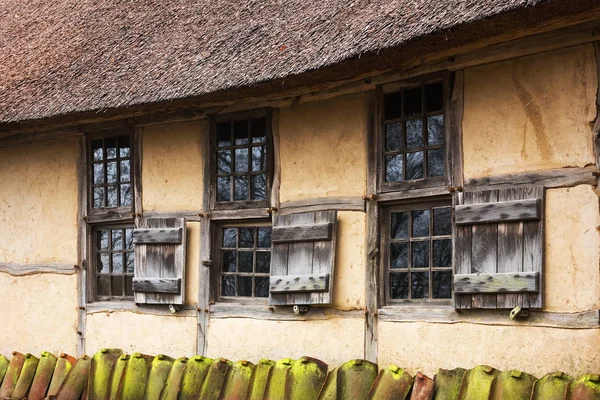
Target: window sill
{"type": "Point", "coordinates": [263, 311]}
{"type": "Point", "coordinates": [130, 306]}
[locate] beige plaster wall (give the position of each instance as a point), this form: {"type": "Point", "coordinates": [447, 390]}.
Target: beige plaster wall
{"type": "Point", "coordinates": [142, 333]}
{"type": "Point", "coordinates": [530, 113]}
{"type": "Point", "coordinates": [322, 149]}
{"type": "Point", "coordinates": [572, 269]}
{"type": "Point", "coordinates": [172, 167]}
{"type": "Point", "coordinates": [38, 202]}
{"type": "Point", "coordinates": [333, 341]}
{"type": "Point", "coordinates": [29, 323]}
{"type": "Point", "coordinates": [349, 280]}
{"type": "Point", "coordinates": [429, 346]}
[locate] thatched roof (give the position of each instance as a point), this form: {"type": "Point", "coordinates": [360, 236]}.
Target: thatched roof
{"type": "Point", "coordinates": [73, 56]}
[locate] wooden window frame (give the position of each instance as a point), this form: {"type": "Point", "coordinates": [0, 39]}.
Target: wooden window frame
{"type": "Point", "coordinates": [215, 280]}
{"type": "Point", "coordinates": [241, 204]}
{"type": "Point", "coordinates": [406, 186]}
{"type": "Point", "coordinates": [384, 215]}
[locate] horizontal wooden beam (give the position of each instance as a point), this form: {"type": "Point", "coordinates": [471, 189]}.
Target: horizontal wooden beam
{"type": "Point", "coordinates": [224, 310]}
{"type": "Point", "coordinates": [157, 236]}
{"type": "Point", "coordinates": [34, 269]}
{"type": "Point", "coordinates": [217, 215]}
{"type": "Point", "coordinates": [299, 283]}
{"type": "Point", "coordinates": [157, 285]}
{"type": "Point", "coordinates": [551, 178]}
{"type": "Point", "coordinates": [514, 282]}
{"type": "Point", "coordinates": [107, 307]}
{"type": "Point", "coordinates": [301, 233]}
{"type": "Point", "coordinates": [504, 211]}
{"type": "Point", "coordinates": [350, 203]}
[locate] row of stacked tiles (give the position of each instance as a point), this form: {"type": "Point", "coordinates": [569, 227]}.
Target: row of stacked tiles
{"type": "Point", "coordinates": [110, 374]}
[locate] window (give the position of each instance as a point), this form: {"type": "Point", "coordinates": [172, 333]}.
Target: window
{"type": "Point", "coordinates": [413, 140]}
{"type": "Point", "coordinates": [114, 258]}
{"type": "Point", "coordinates": [241, 153]}
{"type": "Point", "coordinates": [244, 260]}
{"type": "Point", "coordinates": [417, 243]}
{"type": "Point", "coordinates": [110, 183]}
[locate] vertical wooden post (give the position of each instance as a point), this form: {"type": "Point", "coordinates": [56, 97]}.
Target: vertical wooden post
{"type": "Point", "coordinates": [596, 131]}
{"type": "Point", "coordinates": [82, 242]}
{"type": "Point", "coordinates": [276, 159]}
{"type": "Point", "coordinates": [454, 118]}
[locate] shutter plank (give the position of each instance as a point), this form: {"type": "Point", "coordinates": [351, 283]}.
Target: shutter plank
{"type": "Point", "coordinates": [157, 285]}
{"type": "Point", "coordinates": [279, 262]}
{"type": "Point", "coordinates": [462, 250]}
{"type": "Point", "coordinates": [484, 249]}
{"type": "Point", "coordinates": [501, 211]}
{"type": "Point", "coordinates": [518, 282]}
{"type": "Point", "coordinates": [300, 256]}
{"type": "Point", "coordinates": [302, 233]}
{"type": "Point", "coordinates": [155, 236]}
{"type": "Point", "coordinates": [533, 248]}
{"type": "Point", "coordinates": [299, 283]}
{"type": "Point", "coordinates": [324, 257]}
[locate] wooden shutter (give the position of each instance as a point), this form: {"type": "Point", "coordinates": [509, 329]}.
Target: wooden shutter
{"type": "Point", "coordinates": [159, 276]}
{"type": "Point", "coordinates": [499, 248]}
{"type": "Point", "coordinates": [303, 257]}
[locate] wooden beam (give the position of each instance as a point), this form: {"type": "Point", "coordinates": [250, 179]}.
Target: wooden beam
{"type": "Point", "coordinates": [596, 130]}
{"type": "Point", "coordinates": [158, 236]}
{"type": "Point", "coordinates": [350, 203]}
{"type": "Point", "coordinates": [301, 233]}
{"type": "Point", "coordinates": [108, 307]}
{"type": "Point", "coordinates": [263, 312]}
{"type": "Point", "coordinates": [550, 179]}
{"type": "Point", "coordinates": [157, 285]}
{"type": "Point", "coordinates": [34, 269]}
{"type": "Point", "coordinates": [503, 211]}
{"type": "Point", "coordinates": [299, 283]}
{"type": "Point", "coordinates": [514, 282]}
{"type": "Point", "coordinates": [217, 215]}
{"type": "Point", "coordinates": [85, 291]}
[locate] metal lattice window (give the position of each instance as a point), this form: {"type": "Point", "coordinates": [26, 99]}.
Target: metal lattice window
{"type": "Point", "coordinates": [244, 261]}
{"type": "Point", "coordinates": [413, 134]}
{"type": "Point", "coordinates": [418, 252]}
{"type": "Point", "coordinates": [114, 269]}
{"type": "Point", "coordinates": [110, 176]}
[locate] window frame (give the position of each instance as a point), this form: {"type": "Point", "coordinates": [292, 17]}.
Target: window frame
{"type": "Point", "coordinates": [265, 113]}
{"type": "Point", "coordinates": [426, 183]}
{"type": "Point", "coordinates": [215, 273]}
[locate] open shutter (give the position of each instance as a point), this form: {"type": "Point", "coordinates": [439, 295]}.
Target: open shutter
{"type": "Point", "coordinates": [302, 259]}
{"type": "Point", "coordinates": [159, 276]}
{"type": "Point", "coordinates": [499, 248]}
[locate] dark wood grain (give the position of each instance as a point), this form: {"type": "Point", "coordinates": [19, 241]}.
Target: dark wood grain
{"type": "Point", "coordinates": [156, 236]}
{"type": "Point", "coordinates": [501, 211]}
{"type": "Point", "coordinates": [522, 282]}
{"type": "Point", "coordinates": [302, 233]}
{"type": "Point", "coordinates": [157, 285]}
{"type": "Point", "coordinates": [299, 283]}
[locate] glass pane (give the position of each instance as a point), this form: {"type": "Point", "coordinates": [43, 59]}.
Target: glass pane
{"type": "Point", "coordinates": [223, 189]}
{"type": "Point", "coordinates": [102, 240]}
{"type": "Point", "coordinates": [111, 172]}
{"type": "Point", "coordinates": [224, 162]}
{"type": "Point", "coordinates": [97, 153]}
{"type": "Point", "coordinates": [393, 137]}
{"type": "Point", "coordinates": [262, 287]}
{"type": "Point", "coordinates": [117, 286]}
{"type": "Point", "coordinates": [129, 239]}
{"type": "Point", "coordinates": [442, 221]}
{"type": "Point", "coordinates": [112, 196]}
{"type": "Point", "coordinates": [414, 134]}
{"type": "Point", "coordinates": [241, 160]}
{"type": "Point", "coordinates": [414, 166]}
{"type": "Point", "coordinates": [228, 261]}
{"type": "Point", "coordinates": [393, 107]}
{"type": "Point", "coordinates": [244, 286]}
{"type": "Point", "coordinates": [240, 132]}
{"type": "Point", "coordinates": [111, 147]}
{"type": "Point", "coordinates": [420, 226]}
{"type": "Point", "coordinates": [241, 188]}
{"type": "Point", "coordinates": [259, 159]}
{"type": "Point", "coordinates": [259, 187]}
{"type": "Point", "coordinates": [420, 254]}
{"type": "Point", "coordinates": [442, 253]}
{"type": "Point", "coordinates": [98, 197]}
{"type": "Point", "coordinates": [420, 285]}
{"type": "Point", "coordinates": [124, 146]}
{"type": "Point", "coordinates": [263, 262]}
{"type": "Point", "coordinates": [223, 134]}
{"type": "Point", "coordinates": [264, 237]}
{"type": "Point", "coordinates": [412, 102]}
{"type": "Point", "coordinates": [435, 130]}
{"type": "Point", "coordinates": [245, 261]}
{"type": "Point", "coordinates": [258, 130]}
{"type": "Point", "coordinates": [126, 195]}
{"type": "Point", "coordinates": [398, 255]}
{"type": "Point", "coordinates": [435, 162]}
{"type": "Point", "coordinates": [398, 286]}
{"type": "Point", "coordinates": [103, 285]}
{"type": "Point", "coordinates": [117, 263]}
{"type": "Point", "coordinates": [434, 97]}
{"type": "Point", "coordinates": [103, 266]}
{"type": "Point", "coordinates": [98, 174]}
{"type": "Point", "coordinates": [128, 286]}
{"type": "Point", "coordinates": [228, 286]}
{"type": "Point", "coordinates": [117, 239]}
{"type": "Point", "coordinates": [442, 285]}
{"type": "Point", "coordinates": [399, 228]}
{"type": "Point", "coordinates": [393, 168]}
{"type": "Point", "coordinates": [129, 263]}
{"type": "Point", "coordinates": [246, 237]}
{"type": "Point", "coordinates": [125, 171]}
{"type": "Point", "coordinates": [230, 237]}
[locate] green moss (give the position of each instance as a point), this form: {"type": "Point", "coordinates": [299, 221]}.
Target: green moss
{"type": "Point", "coordinates": [3, 366]}
{"type": "Point", "coordinates": [392, 382]}
{"type": "Point", "coordinates": [262, 373]}
{"type": "Point", "coordinates": [159, 371]}
{"type": "Point", "coordinates": [477, 383]}
{"type": "Point", "coordinates": [101, 371]}
{"type": "Point", "coordinates": [551, 386]}
{"type": "Point", "coordinates": [448, 383]}
{"type": "Point", "coordinates": [306, 378]}
{"type": "Point", "coordinates": [355, 378]}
